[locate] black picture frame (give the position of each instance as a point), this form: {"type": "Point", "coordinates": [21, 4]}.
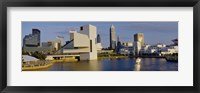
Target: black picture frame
{"type": "Point", "coordinates": [100, 3]}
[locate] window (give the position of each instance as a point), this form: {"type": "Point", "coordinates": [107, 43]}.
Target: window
{"type": "Point", "coordinates": [81, 28]}
{"type": "Point", "coordinates": [90, 45]}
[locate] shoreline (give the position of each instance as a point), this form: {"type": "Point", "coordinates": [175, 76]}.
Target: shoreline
{"type": "Point", "coordinates": [151, 56]}
{"type": "Point", "coordinates": [115, 57]}
{"type": "Point", "coordinates": [67, 61]}
{"type": "Point", "coordinates": [36, 67]}
{"type": "Point", "coordinates": [48, 65]}
{"type": "Point", "coordinates": [75, 60]}
{"type": "Point", "coordinates": [133, 57]}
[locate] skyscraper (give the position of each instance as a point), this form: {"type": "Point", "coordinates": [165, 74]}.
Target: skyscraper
{"type": "Point", "coordinates": [36, 32]}
{"type": "Point", "coordinates": [139, 37]}
{"type": "Point", "coordinates": [118, 39]}
{"type": "Point", "coordinates": [112, 38]}
{"type": "Point", "coordinates": [32, 40]}
{"type": "Point", "coordinates": [98, 39]}
{"type": "Point", "coordinates": [99, 46]}
{"type": "Point", "coordinates": [119, 45]}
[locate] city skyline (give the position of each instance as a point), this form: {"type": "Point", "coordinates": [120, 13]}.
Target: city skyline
{"type": "Point", "coordinates": [163, 31]}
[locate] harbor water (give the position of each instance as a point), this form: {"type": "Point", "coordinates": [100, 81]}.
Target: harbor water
{"type": "Point", "coordinates": [115, 64]}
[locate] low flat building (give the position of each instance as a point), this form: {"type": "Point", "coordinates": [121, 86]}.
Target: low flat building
{"type": "Point", "coordinates": [127, 44]}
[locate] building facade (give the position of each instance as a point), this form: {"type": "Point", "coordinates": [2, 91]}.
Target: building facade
{"type": "Point", "coordinates": [31, 43]}
{"type": "Point", "coordinates": [32, 40]}
{"type": "Point", "coordinates": [139, 37]}
{"type": "Point", "coordinates": [112, 38]}
{"type": "Point", "coordinates": [61, 39]}
{"type": "Point", "coordinates": [98, 39]}
{"type": "Point", "coordinates": [136, 48]}
{"type": "Point", "coordinates": [127, 44]}
{"type": "Point", "coordinates": [83, 42]}
{"type": "Point", "coordinates": [99, 46]}
{"type": "Point", "coordinates": [119, 45]}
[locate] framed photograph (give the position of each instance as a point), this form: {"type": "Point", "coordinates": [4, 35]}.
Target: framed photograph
{"type": "Point", "coordinates": [106, 46]}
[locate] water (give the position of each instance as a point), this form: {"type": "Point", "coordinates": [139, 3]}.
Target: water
{"type": "Point", "coordinates": [116, 64]}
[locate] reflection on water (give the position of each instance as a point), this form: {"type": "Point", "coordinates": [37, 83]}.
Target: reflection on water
{"type": "Point", "coordinates": [116, 64]}
{"type": "Point", "coordinates": [137, 67]}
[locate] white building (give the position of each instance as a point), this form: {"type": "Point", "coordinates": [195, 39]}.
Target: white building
{"type": "Point", "coordinates": [126, 50]}
{"type": "Point", "coordinates": [169, 50]}
{"type": "Point", "coordinates": [160, 45]}
{"type": "Point", "coordinates": [144, 49]}
{"type": "Point", "coordinates": [83, 43]}
{"type": "Point", "coordinates": [147, 49]}
{"type": "Point", "coordinates": [99, 46]}
{"type": "Point", "coordinates": [152, 50]}
{"type": "Point", "coordinates": [160, 49]}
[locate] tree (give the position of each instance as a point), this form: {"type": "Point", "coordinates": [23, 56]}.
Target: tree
{"type": "Point", "coordinates": [39, 55]}
{"type": "Point", "coordinates": [25, 52]}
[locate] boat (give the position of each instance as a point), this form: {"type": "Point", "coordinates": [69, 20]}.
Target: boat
{"type": "Point", "coordinates": [138, 60]}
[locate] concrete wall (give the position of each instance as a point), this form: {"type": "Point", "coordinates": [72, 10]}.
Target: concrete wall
{"type": "Point", "coordinates": [88, 56]}
{"type": "Point", "coordinates": [80, 40]}
{"type": "Point", "coordinates": [91, 32]}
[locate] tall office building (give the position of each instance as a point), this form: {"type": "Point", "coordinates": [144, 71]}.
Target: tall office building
{"type": "Point", "coordinates": [99, 46]}
{"type": "Point", "coordinates": [98, 39]}
{"type": "Point", "coordinates": [36, 32]}
{"type": "Point", "coordinates": [112, 38]}
{"type": "Point", "coordinates": [119, 45]}
{"type": "Point", "coordinates": [139, 37]}
{"type": "Point", "coordinates": [117, 38]}
{"type": "Point", "coordinates": [32, 40]}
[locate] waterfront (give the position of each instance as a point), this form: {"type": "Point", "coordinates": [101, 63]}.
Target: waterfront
{"type": "Point", "coordinates": [115, 64]}
{"type": "Point", "coordinates": [84, 43]}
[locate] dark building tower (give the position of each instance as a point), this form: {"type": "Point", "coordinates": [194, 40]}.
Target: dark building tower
{"type": "Point", "coordinates": [32, 40]}
{"type": "Point", "coordinates": [36, 32]}
{"type": "Point", "coordinates": [119, 45]}
{"type": "Point", "coordinates": [112, 38]}
{"type": "Point", "coordinates": [118, 39]}
{"type": "Point", "coordinates": [98, 39]}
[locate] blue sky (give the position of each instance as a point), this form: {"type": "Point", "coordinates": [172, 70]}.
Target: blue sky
{"type": "Point", "coordinates": [154, 32]}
